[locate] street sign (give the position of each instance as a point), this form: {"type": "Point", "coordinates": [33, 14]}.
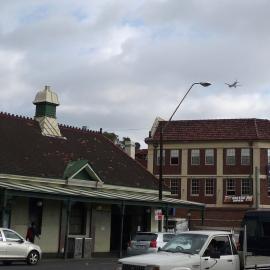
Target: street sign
{"type": "Point", "coordinates": [158, 214]}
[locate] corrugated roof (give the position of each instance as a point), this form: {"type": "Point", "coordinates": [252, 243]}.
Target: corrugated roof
{"type": "Point", "coordinates": [214, 130]}
{"type": "Point", "coordinates": [101, 194]}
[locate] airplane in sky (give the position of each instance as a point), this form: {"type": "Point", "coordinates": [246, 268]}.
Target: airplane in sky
{"type": "Point", "coordinates": [234, 84]}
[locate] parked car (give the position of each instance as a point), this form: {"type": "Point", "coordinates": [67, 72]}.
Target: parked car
{"type": "Point", "coordinates": [13, 247]}
{"type": "Point", "coordinates": [148, 242]}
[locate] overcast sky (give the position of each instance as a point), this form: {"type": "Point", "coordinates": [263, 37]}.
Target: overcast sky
{"type": "Point", "coordinates": [118, 64]}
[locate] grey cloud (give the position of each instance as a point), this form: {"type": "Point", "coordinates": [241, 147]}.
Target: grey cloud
{"type": "Point", "coordinates": [119, 64]}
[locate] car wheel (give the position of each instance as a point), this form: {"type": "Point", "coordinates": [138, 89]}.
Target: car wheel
{"type": "Point", "coordinates": [32, 258]}
{"type": "Point", "coordinates": [7, 262]}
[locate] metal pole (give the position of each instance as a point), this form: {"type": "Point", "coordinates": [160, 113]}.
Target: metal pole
{"type": "Point", "coordinates": [122, 229]}
{"type": "Point", "coordinates": [68, 208]}
{"type": "Point", "coordinates": [162, 128]}
{"type": "Point", "coordinates": [160, 162]}
{"type": "Point", "coordinates": [3, 208]}
{"type": "Point", "coordinates": [189, 221]}
{"type": "Point", "coordinates": [245, 245]}
{"type": "Point", "coordinates": [202, 216]}
{"type": "Point", "coordinates": [166, 218]}
{"type": "Point", "coordinates": [182, 101]}
{"type": "Point", "coordinates": [160, 188]}
{"type": "Point", "coordinates": [257, 187]}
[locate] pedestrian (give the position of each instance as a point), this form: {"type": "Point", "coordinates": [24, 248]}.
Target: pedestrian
{"type": "Point", "coordinates": [31, 233]}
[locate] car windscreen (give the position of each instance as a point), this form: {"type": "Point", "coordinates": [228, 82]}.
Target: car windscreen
{"type": "Point", "coordinates": [168, 237]}
{"type": "Point", "coordinates": [186, 243]}
{"type": "Point", "coordinates": [145, 237]}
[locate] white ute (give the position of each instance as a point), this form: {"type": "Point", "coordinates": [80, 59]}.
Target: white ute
{"type": "Point", "coordinates": [198, 250]}
{"type": "Point", "coordinates": [193, 250]}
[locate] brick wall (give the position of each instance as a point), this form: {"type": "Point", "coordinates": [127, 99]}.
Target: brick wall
{"type": "Point", "coordinates": [202, 198]}
{"type": "Point", "coordinates": [237, 192]}
{"type": "Point", "coordinates": [237, 168]}
{"type": "Point", "coordinates": [265, 198]}
{"type": "Point", "coordinates": [168, 168]}
{"type": "Point", "coordinates": [263, 160]}
{"type": "Point", "coordinates": [202, 168]}
{"type": "Point", "coordinates": [215, 216]}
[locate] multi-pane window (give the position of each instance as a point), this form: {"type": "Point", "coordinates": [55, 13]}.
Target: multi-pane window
{"type": "Point", "coordinates": [230, 187]}
{"type": "Point", "coordinates": [230, 156]}
{"type": "Point", "coordinates": [209, 187]}
{"type": "Point", "coordinates": [209, 157]}
{"type": "Point", "coordinates": [245, 156]}
{"type": "Point", "coordinates": [163, 157]}
{"type": "Point", "coordinates": [195, 187]}
{"type": "Point", "coordinates": [174, 185]}
{"type": "Point", "coordinates": [268, 156]}
{"type": "Point", "coordinates": [195, 157]}
{"type": "Point", "coordinates": [268, 185]}
{"type": "Point", "coordinates": [174, 157]}
{"type": "Point", "coordinates": [246, 187]}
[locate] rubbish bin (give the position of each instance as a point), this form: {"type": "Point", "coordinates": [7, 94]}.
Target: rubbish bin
{"type": "Point", "coordinates": [87, 247]}
{"type": "Point", "coordinates": [75, 247]}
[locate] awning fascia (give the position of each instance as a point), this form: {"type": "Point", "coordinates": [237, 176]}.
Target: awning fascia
{"type": "Point", "coordinates": [61, 197]}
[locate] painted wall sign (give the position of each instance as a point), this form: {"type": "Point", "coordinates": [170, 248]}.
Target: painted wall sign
{"type": "Point", "coordinates": [238, 199]}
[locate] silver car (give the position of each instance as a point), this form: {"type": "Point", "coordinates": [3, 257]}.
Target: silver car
{"type": "Point", "coordinates": [148, 242]}
{"type": "Point", "coordinates": [13, 247]}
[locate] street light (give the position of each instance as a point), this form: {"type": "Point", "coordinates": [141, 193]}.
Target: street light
{"type": "Point", "coordinates": [204, 84]}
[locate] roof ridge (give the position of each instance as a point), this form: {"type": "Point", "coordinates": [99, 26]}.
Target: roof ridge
{"type": "Point", "coordinates": [79, 128]}
{"type": "Point", "coordinates": [16, 116]}
{"type": "Point", "coordinates": [214, 119]}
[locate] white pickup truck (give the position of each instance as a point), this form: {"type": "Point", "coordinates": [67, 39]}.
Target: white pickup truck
{"type": "Point", "coordinates": [192, 250]}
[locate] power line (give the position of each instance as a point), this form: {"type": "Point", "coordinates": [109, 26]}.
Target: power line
{"type": "Point", "coordinates": [126, 129]}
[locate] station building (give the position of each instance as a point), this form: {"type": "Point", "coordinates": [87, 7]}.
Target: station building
{"type": "Point", "coordinates": [73, 183]}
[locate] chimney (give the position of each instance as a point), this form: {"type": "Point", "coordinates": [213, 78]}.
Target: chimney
{"type": "Point", "coordinates": [130, 148]}
{"type": "Point", "coordinates": [46, 102]}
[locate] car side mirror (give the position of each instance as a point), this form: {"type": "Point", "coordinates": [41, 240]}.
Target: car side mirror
{"type": "Point", "coordinates": [20, 241]}
{"type": "Point", "coordinates": [215, 255]}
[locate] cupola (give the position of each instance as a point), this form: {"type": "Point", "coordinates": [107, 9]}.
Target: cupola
{"type": "Point", "coordinates": [46, 102]}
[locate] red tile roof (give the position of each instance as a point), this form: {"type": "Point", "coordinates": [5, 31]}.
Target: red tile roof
{"type": "Point", "coordinates": [214, 130]}
{"type": "Point", "coordinates": [24, 151]}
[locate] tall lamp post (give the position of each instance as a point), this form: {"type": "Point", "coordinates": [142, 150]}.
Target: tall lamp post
{"type": "Point", "coordinates": [162, 129]}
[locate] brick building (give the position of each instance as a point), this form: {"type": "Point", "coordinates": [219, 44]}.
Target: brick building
{"type": "Point", "coordinates": [222, 163]}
